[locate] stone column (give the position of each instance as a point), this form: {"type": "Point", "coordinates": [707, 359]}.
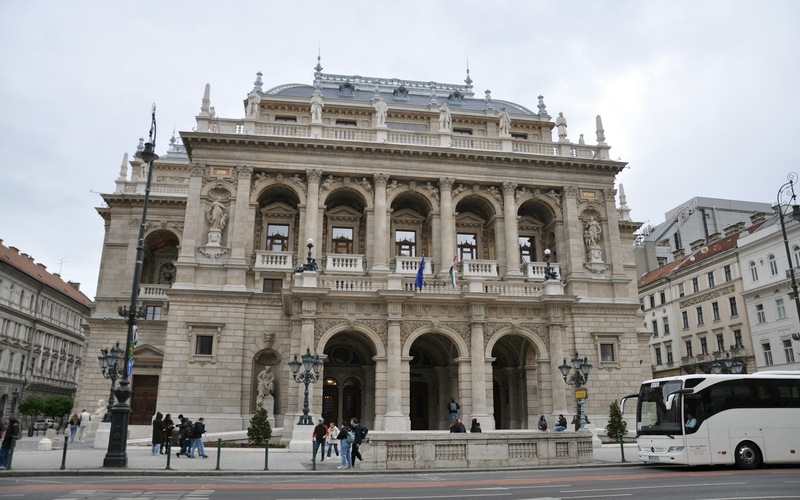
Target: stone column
{"type": "Point", "coordinates": [511, 229]}
{"type": "Point", "coordinates": [558, 387]}
{"type": "Point", "coordinates": [192, 229]}
{"type": "Point", "coordinates": [478, 358]}
{"type": "Point", "coordinates": [448, 225]}
{"type": "Point", "coordinates": [380, 231]}
{"type": "Point", "coordinates": [613, 254]}
{"type": "Point", "coordinates": [240, 231]}
{"type": "Point", "coordinates": [394, 420]}
{"type": "Point", "coordinates": [574, 252]}
{"type": "Point", "coordinates": [311, 217]}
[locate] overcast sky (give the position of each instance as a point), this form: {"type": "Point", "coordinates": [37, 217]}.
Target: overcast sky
{"type": "Point", "coordinates": [700, 98]}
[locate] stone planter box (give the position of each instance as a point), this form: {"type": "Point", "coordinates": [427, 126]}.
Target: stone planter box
{"type": "Point", "coordinates": [442, 450]}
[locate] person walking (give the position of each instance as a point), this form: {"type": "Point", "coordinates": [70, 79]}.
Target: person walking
{"type": "Point", "coordinates": [333, 439]}
{"type": "Point", "coordinates": [452, 408]}
{"type": "Point", "coordinates": [184, 436]}
{"type": "Point", "coordinates": [319, 435]}
{"type": "Point", "coordinates": [11, 435]}
{"type": "Point", "coordinates": [345, 441]}
{"type": "Point", "coordinates": [166, 432]}
{"type": "Point", "coordinates": [158, 434]}
{"type": "Point", "coordinates": [74, 423]}
{"type": "Point", "coordinates": [86, 417]}
{"type": "Point", "coordinates": [359, 436]}
{"type": "Point", "coordinates": [197, 440]}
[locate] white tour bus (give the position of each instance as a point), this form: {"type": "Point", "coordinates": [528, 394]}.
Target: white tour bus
{"type": "Point", "coordinates": [702, 419]}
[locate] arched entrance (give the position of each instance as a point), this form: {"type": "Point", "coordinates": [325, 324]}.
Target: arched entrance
{"type": "Point", "coordinates": [514, 387]}
{"type": "Point", "coordinates": [349, 374]}
{"type": "Point", "coordinates": [433, 381]}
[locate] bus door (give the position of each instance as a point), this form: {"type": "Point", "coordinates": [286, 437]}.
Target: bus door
{"type": "Point", "coordinates": [698, 449]}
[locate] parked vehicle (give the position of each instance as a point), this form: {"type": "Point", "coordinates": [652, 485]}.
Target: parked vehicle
{"type": "Point", "coordinates": [45, 423]}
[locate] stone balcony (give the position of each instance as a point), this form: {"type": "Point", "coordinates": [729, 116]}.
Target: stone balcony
{"type": "Point", "coordinates": [344, 263]}
{"type": "Point", "coordinates": [273, 261]}
{"type": "Point", "coordinates": [535, 270]}
{"type": "Point", "coordinates": [153, 292]}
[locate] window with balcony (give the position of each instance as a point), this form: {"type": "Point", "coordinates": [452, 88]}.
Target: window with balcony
{"type": "Point", "coordinates": [405, 243]}
{"type": "Point", "coordinates": [688, 345]}
{"type": "Point", "coordinates": [700, 320]}
{"type": "Point", "coordinates": [278, 237]}
{"type": "Point", "coordinates": [780, 309]}
{"type": "Point", "coordinates": [773, 265]}
{"type": "Point", "coordinates": [695, 285]}
{"type": "Point", "coordinates": [467, 246]}
{"type": "Point", "coordinates": [753, 271]}
{"type": "Point", "coordinates": [525, 249]}
{"type": "Point", "coordinates": [685, 318]}
{"type": "Point", "coordinates": [727, 272]}
{"type": "Point", "coordinates": [658, 355]}
{"type": "Point", "coordinates": [733, 306]}
{"type": "Point", "coordinates": [704, 345]}
{"type": "Point", "coordinates": [767, 354]}
{"type": "Point", "coordinates": [711, 279]}
{"type": "Point", "coordinates": [761, 316]}
{"type": "Point", "coordinates": [285, 119]}
{"type": "Point", "coordinates": [342, 240]}
{"type": "Point", "coordinates": [715, 310]}
{"type": "Point", "coordinates": [788, 351]}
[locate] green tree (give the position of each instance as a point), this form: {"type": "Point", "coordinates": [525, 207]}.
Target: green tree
{"type": "Point", "coordinates": [617, 428]}
{"type": "Point", "coordinates": [58, 406]}
{"type": "Point", "coordinates": [33, 406]}
{"type": "Point", "coordinates": [259, 431]}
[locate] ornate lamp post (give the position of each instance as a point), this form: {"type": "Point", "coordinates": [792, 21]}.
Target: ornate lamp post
{"type": "Point", "coordinates": [109, 364]}
{"type": "Point", "coordinates": [116, 456]}
{"type": "Point", "coordinates": [732, 365]}
{"type": "Point", "coordinates": [310, 374]}
{"type": "Point", "coordinates": [578, 381]}
{"type": "Point", "coordinates": [786, 189]}
{"type": "Point", "coordinates": [549, 274]}
{"type": "Point", "coordinates": [311, 263]}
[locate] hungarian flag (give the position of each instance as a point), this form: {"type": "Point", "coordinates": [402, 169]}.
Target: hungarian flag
{"type": "Point", "coordinates": [452, 272]}
{"type": "Point", "coordinates": [420, 270]}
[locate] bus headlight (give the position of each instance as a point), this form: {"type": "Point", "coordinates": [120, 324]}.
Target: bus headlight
{"type": "Point", "coordinates": [675, 449]}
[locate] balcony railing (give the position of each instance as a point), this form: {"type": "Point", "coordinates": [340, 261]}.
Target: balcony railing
{"type": "Point", "coordinates": [409, 265]}
{"type": "Point", "coordinates": [335, 262]}
{"type": "Point", "coordinates": [479, 268]}
{"type": "Point", "coordinates": [535, 270]}
{"type": "Point", "coordinates": [273, 261]}
{"type": "Point", "coordinates": [153, 292]}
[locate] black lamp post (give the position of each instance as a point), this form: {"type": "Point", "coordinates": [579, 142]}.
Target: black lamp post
{"type": "Point", "coordinates": [109, 364]}
{"type": "Point", "coordinates": [310, 374]}
{"type": "Point", "coordinates": [786, 189]}
{"type": "Point", "coordinates": [549, 274]}
{"type": "Point", "coordinates": [578, 381]}
{"type": "Point", "coordinates": [116, 456]}
{"type": "Point", "coordinates": [311, 263]}
{"type": "Point", "coordinates": [732, 365]}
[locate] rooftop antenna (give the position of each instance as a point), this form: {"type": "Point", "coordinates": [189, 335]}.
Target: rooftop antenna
{"type": "Point", "coordinates": [60, 264]}
{"type": "Point", "coordinates": [468, 80]}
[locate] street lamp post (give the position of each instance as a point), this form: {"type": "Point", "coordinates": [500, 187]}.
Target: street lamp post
{"type": "Point", "coordinates": [792, 201]}
{"type": "Point", "coordinates": [109, 364]}
{"type": "Point", "coordinates": [578, 380]}
{"type": "Point", "coordinates": [549, 274]}
{"type": "Point", "coordinates": [116, 456]}
{"type": "Point", "coordinates": [732, 365]}
{"type": "Point", "coordinates": [311, 263]}
{"type": "Point", "coordinates": [310, 374]}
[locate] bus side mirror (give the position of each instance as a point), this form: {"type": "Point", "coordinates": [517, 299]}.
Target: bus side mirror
{"type": "Point", "coordinates": [624, 399]}
{"type": "Point", "coordinates": [671, 398]}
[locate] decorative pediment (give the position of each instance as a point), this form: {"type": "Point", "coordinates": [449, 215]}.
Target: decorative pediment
{"type": "Point", "coordinates": [278, 210]}
{"type": "Point", "coordinates": [148, 355]}
{"type": "Point", "coordinates": [407, 216]}
{"type": "Point", "coordinates": [469, 219]}
{"type": "Point", "coordinates": [343, 213]}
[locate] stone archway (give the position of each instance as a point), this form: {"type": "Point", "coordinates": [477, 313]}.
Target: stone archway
{"type": "Point", "coordinates": [514, 385]}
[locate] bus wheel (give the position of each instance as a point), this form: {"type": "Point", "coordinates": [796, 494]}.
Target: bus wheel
{"type": "Point", "coordinates": [747, 455]}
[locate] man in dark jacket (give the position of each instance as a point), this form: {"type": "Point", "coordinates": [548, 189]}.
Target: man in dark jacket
{"type": "Point", "coordinates": [197, 440]}
{"type": "Point", "coordinates": [360, 435]}
{"type": "Point", "coordinates": [318, 435]}
{"type": "Point", "coordinates": [9, 438]}
{"type": "Point", "coordinates": [184, 435]}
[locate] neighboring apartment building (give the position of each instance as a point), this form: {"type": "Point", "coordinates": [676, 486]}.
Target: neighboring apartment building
{"type": "Point", "coordinates": [698, 219]}
{"type": "Point", "coordinates": [694, 310]}
{"type": "Point", "coordinates": [41, 330]}
{"type": "Point", "coordinates": [767, 292]}
{"type": "Point", "coordinates": [378, 175]}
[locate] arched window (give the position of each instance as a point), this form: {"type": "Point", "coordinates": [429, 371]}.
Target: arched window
{"type": "Point", "coordinates": [796, 252]}
{"type": "Point", "coordinates": [753, 271]}
{"type": "Point", "coordinates": [773, 265]}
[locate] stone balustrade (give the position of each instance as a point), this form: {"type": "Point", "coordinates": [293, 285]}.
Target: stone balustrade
{"type": "Point", "coordinates": [336, 262]}
{"type": "Point", "coordinates": [273, 261]}
{"type": "Point", "coordinates": [535, 270]}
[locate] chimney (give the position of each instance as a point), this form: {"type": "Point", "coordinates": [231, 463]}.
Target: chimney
{"type": "Point", "coordinates": [697, 245]}
{"type": "Point", "coordinates": [44, 268]}
{"type": "Point", "coordinates": [14, 249]}
{"type": "Point", "coordinates": [714, 237]}
{"type": "Point", "coordinates": [57, 275]}
{"type": "Point", "coordinates": [76, 286]}
{"type": "Point", "coordinates": [677, 254]}
{"type": "Point", "coordinates": [734, 229]}
{"type": "Point", "coordinates": [757, 218]}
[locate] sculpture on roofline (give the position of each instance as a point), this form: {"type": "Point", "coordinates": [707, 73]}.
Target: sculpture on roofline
{"type": "Point", "coordinates": [504, 130]}
{"type": "Point", "coordinates": [445, 120]}
{"type": "Point", "coordinates": [316, 107]}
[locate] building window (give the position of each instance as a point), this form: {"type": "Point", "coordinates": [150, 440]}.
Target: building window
{"type": "Point", "coordinates": [767, 354]}
{"type": "Point", "coordinates": [525, 249]}
{"type": "Point", "coordinates": [727, 271]}
{"type": "Point", "coordinates": [711, 279]}
{"type": "Point", "coordinates": [680, 290]}
{"type": "Point", "coordinates": [652, 301]}
{"type": "Point", "coordinates": [655, 327]}
{"type": "Point", "coordinates": [796, 252]}
{"type": "Point", "coordinates": [669, 354]}
{"type": "Point", "coordinates": [734, 307]}
{"type": "Point", "coordinates": [467, 246]}
{"type": "Point", "coordinates": [607, 353]}
{"type": "Point", "coordinates": [685, 317]}
{"type": "Point", "coordinates": [695, 285]}
{"type": "Point", "coordinates": [737, 338]}
{"type": "Point", "coordinates": [781, 308]}
{"type": "Point", "coordinates": [345, 123]}
{"type": "Point", "coordinates": [204, 345]}
{"type": "Point", "coordinates": [272, 285]}
{"type": "Point", "coordinates": [10, 367]}
{"type": "Point", "coordinates": [342, 240]}
{"type": "Point", "coordinates": [405, 243]}
{"type": "Point", "coordinates": [278, 237]}
{"type": "Point", "coordinates": [285, 119]}
{"type": "Point", "coordinates": [720, 342]}
{"type": "Point", "coordinates": [658, 355]}
{"type": "Point", "coordinates": [520, 137]}
{"type": "Point", "coordinates": [661, 261]}
{"type": "Point", "coordinates": [663, 297]}
{"type": "Point", "coordinates": [665, 321]}
{"type": "Point", "coordinates": [715, 310]}
{"type": "Point", "coordinates": [678, 240]}
{"type": "Point", "coordinates": [761, 317]}
{"type": "Point", "coordinates": [703, 345]}
{"type": "Point", "coordinates": [153, 313]}
{"type": "Point", "coordinates": [753, 271]}
{"type": "Point", "coordinates": [773, 265]}
{"type": "Point", "coordinates": [788, 351]}
{"type": "Point", "coordinates": [700, 316]}
{"type": "Point", "coordinates": [462, 131]}
{"type": "Point", "coordinates": [689, 348]}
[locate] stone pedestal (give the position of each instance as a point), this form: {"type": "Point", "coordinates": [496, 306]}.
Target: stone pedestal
{"type": "Point", "coordinates": [301, 439]}
{"type": "Point", "coordinates": [45, 445]}
{"type": "Point", "coordinates": [101, 435]}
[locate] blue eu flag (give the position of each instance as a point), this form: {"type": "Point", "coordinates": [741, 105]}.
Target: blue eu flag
{"type": "Point", "coordinates": [420, 270]}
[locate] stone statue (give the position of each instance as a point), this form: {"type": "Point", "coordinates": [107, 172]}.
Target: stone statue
{"type": "Point", "coordinates": [561, 123]}
{"type": "Point", "coordinates": [253, 102]}
{"type": "Point", "coordinates": [266, 384]}
{"type": "Point", "coordinates": [101, 409]}
{"type": "Point", "coordinates": [216, 215]}
{"type": "Point", "coordinates": [380, 112]}
{"type": "Point", "coordinates": [592, 233]}
{"type": "Point", "coordinates": [505, 123]}
{"type": "Point", "coordinates": [445, 121]}
{"type": "Point", "coordinates": [316, 107]}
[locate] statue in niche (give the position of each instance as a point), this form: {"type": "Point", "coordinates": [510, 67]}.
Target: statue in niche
{"type": "Point", "coordinates": [266, 389]}
{"type": "Point", "coordinates": [591, 235]}
{"type": "Point", "coordinates": [166, 275]}
{"type": "Point", "coordinates": [217, 216]}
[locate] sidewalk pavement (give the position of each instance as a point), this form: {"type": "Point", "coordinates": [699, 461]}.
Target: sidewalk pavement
{"type": "Point", "coordinates": [83, 459]}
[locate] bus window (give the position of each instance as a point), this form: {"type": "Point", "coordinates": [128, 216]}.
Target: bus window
{"type": "Point", "coordinates": [654, 417]}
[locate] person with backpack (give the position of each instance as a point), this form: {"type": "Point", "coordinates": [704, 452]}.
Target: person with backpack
{"type": "Point", "coordinates": [359, 436]}
{"type": "Point", "coordinates": [184, 436]}
{"type": "Point", "coordinates": [346, 437]}
{"type": "Point", "coordinates": [453, 408]}
{"type": "Point", "coordinates": [9, 438]}
{"type": "Point", "coordinates": [198, 430]}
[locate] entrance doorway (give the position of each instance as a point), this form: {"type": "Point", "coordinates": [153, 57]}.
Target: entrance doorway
{"type": "Point", "coordinates": [419, 406]}
{"type": "Point", "coordinates": [143, 401]}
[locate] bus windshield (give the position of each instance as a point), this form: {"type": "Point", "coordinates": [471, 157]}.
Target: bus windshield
{"type": "Point", "coordinates": [654, 418]}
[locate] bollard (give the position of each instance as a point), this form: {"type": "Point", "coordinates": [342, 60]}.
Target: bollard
{"type": "Point", "coordinates": [219, 451]}
{"type": "Point", "coordinates": [11, 453]}
{"type": "Point", "coordinates": [266, 454]}
{"type": "Point", "coordinates": [622, 448]}
{"type": "Point", "coordinates": [169, 451]}
{"type": "Point", "coordinates": [314, 456]}
{"type": "Point", "coordinates": [64, 453]}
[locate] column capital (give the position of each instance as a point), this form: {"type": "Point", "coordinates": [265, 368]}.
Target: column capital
{"type": "Point", "coordinates": [381, 179]}
{"type": "Point", "coordinates": [197, 170]}
{"type": "Point", "coordinates": [244, 171]}
{"type": "Point", "coordinates": [509, 188]}
{"type": "Point", "coordinates": [446, 183]}
{"type": "Point", "coordinates": [313, 175]}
